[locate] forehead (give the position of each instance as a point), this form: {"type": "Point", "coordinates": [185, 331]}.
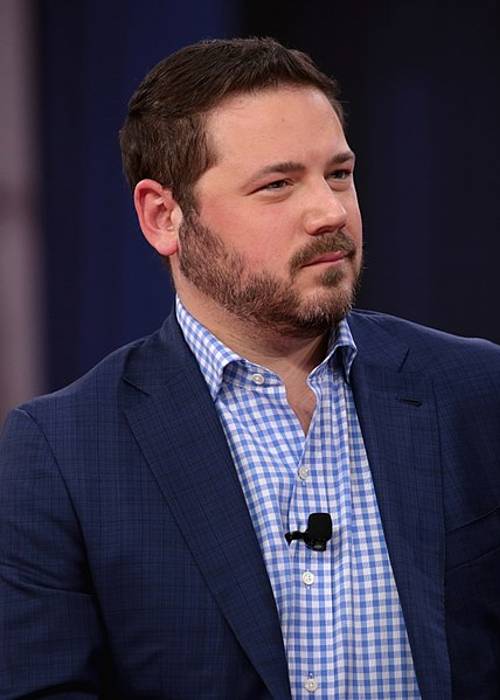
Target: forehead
{"type": "Point", "coordinates": [274, 123]}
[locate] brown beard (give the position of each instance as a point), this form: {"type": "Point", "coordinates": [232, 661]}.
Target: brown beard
{"type": "Point", "coordinates": [262, 298]}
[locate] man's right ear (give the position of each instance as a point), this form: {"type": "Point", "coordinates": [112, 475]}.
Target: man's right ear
{"type": "Point", "coordinates": [159, 216]}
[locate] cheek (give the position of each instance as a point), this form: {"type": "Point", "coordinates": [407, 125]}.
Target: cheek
{"type": "Point", "coordinates": [354, 222]}
{"type": "Point", "coordinates": [223, 218]}
{"type": "Point", "coordinates": [357, 227]}
{"type": "Point", "coordinates": [354, 212]}
{"type": "Point", "coordinates": [261, 234]}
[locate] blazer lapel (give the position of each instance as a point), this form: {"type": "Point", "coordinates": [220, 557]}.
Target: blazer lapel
{"type": "Point", "coordinates": [174, 421]}
{"type": "Point", "coordinates": [398, 420]}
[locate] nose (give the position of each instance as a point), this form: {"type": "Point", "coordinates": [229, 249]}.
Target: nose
{"type": "Point", "coordinates": [324, 210]}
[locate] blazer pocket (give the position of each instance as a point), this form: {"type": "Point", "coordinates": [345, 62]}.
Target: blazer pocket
{"type": "Point", "coordinates": [470, 542]}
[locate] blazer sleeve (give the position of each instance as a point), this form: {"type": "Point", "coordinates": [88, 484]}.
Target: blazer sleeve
{"type": "Point", "coordinates": [52, 642]}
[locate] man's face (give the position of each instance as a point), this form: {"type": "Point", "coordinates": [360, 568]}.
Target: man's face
{"type": "Point", "coordinates": [277, 239]}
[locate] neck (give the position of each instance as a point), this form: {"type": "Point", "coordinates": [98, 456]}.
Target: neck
{"type": "Point", "coordinates": [288, 355]}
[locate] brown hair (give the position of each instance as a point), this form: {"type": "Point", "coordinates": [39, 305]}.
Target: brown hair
{"type": "Point", "coordinates": [163, 136]}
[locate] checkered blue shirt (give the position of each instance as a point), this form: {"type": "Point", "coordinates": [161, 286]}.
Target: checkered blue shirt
{"type": "Point", "coordinates": [341, 619]}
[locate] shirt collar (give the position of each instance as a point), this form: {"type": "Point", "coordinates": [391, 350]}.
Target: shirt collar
{"type": "Point", "coordinates": [213, 356]}
{"type": "Point", "coordinates": [341, 339]}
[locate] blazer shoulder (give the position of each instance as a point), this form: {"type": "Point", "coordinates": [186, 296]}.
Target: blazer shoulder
{"type": "Point", "coordinates": [99, 386]}
{"type": "Point", "coordinates": [428, 348]}
{"type": "Point", "coordinates": [143, 366]}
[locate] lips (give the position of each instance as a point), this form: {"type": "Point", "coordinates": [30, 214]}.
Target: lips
{"type": "Point", "coordinates": [333, 256]}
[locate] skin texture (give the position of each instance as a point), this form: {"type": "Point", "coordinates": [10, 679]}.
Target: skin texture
{"type": "Point", "coordinates": [262, 231]}
{"type": "Point", "coordinates": [250, 263]}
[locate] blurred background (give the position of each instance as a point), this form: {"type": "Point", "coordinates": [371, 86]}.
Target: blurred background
{"type": "Point", "coordinates": [420, 85]}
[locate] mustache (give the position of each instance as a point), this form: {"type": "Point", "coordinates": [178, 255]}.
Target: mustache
{"type": "Point", "coordinates": [334, 242]}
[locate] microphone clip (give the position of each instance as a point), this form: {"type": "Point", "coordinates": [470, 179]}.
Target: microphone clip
{"type": "Point", "coordinates": [317, 533]}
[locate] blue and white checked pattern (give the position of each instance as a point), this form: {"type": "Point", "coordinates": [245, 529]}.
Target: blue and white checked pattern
{"type": "Point", "coordinates": [343, 628]}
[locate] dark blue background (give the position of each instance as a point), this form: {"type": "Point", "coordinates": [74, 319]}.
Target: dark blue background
{"type": "Point", "coordinates": [420, 84]}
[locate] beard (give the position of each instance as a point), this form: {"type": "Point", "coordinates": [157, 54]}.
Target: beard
{"type": "Point", "coordinates": [262, 298]}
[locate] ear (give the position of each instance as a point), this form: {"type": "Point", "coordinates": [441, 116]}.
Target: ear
{"type": "Point", "coordinates": [159, 216]}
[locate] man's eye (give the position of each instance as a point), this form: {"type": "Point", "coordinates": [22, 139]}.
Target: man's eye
{"type": "Point", "coordinates": [340, 174]}
{"type": "Point", "coordinates": [276, 185]}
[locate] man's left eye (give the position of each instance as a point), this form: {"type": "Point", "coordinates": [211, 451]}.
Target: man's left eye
{"type": "Point", "coordinates": [340, 174]}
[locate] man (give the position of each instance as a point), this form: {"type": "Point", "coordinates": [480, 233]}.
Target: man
{"type": "Point", "coordinates": [145, 507]}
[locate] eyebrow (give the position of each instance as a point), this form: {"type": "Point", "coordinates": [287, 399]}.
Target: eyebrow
{"type": "Point", "coordinates": [288, 166]}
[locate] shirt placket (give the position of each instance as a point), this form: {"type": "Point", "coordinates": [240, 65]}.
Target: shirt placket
{"type": "Point", "coordinates": [308, 640]}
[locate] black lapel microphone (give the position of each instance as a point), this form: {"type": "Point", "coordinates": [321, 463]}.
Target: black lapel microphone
{"type": "Point", "coordinates": [317, 534]}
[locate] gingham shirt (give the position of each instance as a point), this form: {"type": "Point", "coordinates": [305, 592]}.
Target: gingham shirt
{"type": "Point", "coordinates": [341, 619]}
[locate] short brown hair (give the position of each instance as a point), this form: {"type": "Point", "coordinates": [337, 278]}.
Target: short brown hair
{"type": "Point", "coordinates": [163, 136]}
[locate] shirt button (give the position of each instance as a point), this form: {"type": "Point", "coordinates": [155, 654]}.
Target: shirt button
{"type": "Point", "coordinates": [303, 473]}
{"type": "Point", "coordinates": [308, 578]}
{"type": "Point", "coordinates": [311, 685]}
{"type": "Point", "coordinates": [257, 378]}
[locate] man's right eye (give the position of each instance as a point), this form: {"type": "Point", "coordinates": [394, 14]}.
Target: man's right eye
{"type": "Point", "coordinates": [276, 185]}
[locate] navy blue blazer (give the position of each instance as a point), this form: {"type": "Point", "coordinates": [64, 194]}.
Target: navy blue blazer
{"type": "Point", "coordinates": [129, 565]}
